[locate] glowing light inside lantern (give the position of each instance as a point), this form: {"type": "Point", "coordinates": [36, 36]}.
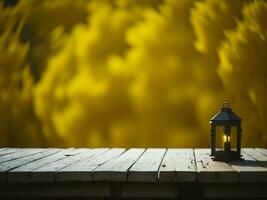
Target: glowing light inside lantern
{"type": "Point", "coordinates": [224, 138]}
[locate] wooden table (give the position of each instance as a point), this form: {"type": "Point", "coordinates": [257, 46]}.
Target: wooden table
{"type": "Point", "coordinates": [130, 173]}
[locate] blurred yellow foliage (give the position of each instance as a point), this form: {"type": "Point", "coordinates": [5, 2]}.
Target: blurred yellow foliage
{"type": "Point", "coordinates": [243, 68]}
{"type": "Point", "coordinates": [18, 123]}
{"type": "Point", "coordinates": [144, 73]}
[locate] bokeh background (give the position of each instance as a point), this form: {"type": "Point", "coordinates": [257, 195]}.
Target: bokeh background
{"type": "Point", "coordinates": [130, 73]}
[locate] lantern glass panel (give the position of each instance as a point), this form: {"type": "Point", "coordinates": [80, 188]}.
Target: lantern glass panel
{"type": "Point", "coordinates": [233, 138]}
{"type": "Point", "coordinates": [220, 136]}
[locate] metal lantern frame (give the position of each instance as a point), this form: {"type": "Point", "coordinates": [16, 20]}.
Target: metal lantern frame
{"type": "Point", "coordinates": [227, 119]}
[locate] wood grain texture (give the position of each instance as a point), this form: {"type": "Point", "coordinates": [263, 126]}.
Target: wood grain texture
{"type": "Point", "coordinates": [117, 169]}
{"type": "Point", "coordinates": [249, 169]}
{"type": "Point", "coordinates": [262, 151]}
{"type": "Point", "coordinates": [145, 169]}
{"type": "Point", "coordinates": [2, 149]}
{"type": "Point", "coordinates": [133, 173]}
{"type": "Point", "coordinates": [213, 171]}
{"type": "Point", "coordinates": [82, 171]}
{"type": "Point", "coordinates": [19, 161]}
{"type": "Point", "coordinates": [257, 155]}
{"type": "Point", "coordinates": [5, 151]}
{"type": "Point", "coordinates": [133, 165]}
{"type": "Point", "coordinates": [34, 171]}
{"type": "Point", "coordinates": [19, 153]}
{"type": "Point", "coordinates": [178, 165]}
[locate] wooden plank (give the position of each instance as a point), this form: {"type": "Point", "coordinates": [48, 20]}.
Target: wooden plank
{"type": "Point", "coordinates": [262, 151]}
{"type": "Point", "coordinates": [82, 155]}
{"type": "Point", "coordinates": [249, 169]}
{"type": "Point", "coordinates": [51, 171]}
{"type": "Point", "coordinates": [12, 164]}
{"type": "Point", "coordinates": [117, 169]}
{"type": "Point", "coordinates": [213, 171]}
{"type": "Point", "coordinates": [83, 171]}
{"type": "Point", "coordinates": [6, 151]}
{"type": "Point", "coordinates": [20, 153]}
{"type": "Point", "coordinates": [145, 169]}
{"type": "Point", "coordinates": [234, 190]}
{"type": "Point", "coordinates": [178, 165]}
{"type": "Point", "coordinates": [2, 149]}
{"type": "Point", "coordinates": [149, 190]}
{"type": "Point", "coordinates": [54, 190]}
{"type": "Point", "coordinates": [58, 155]}
{"type": "Point", "coordinates": [257, 155]}
{"type": "Point", "coordinates": [44, 169]}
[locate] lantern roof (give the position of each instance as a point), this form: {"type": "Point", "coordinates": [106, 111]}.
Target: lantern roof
{"type": "Point", "coordinates": [225, 114]}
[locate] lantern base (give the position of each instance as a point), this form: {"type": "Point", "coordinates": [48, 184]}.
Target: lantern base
{"type": "Point", "coordinates": [226, 159]}
{"type": "Point", "coordinates": [226, 156]}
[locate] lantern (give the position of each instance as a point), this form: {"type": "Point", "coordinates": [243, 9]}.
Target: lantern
{"type": "Point", "coordinates": [230, 125]}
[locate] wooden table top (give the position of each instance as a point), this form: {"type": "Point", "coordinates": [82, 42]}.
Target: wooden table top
{"type": "Point", "coordinates": [128, 165]}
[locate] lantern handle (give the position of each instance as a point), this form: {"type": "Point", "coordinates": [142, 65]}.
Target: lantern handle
{"type": "Point", "coordinates": [225, 104]}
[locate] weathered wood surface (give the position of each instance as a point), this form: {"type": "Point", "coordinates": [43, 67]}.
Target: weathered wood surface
{"type": "Point", "coordinates": [44, 168]}
{"type": "Point", "coordinates": [213, 171]}
{"type": "Point", "coordinates": [146, 168]}
{"type": "Point", "coordinates": [83, 171]}
{"type": "Point", "coordinates": [251, 169]}
{"type": "Point", "coordinates": [18, 159]}
{"type": "Point", "coordinates": [178, 165]}
{"type": "Point", "coordinates": [116, 169]}
{"type": "Point", "coordinates": [135, 172]}
{"type": "Point", "coordinates": [5, 151]}
{"type": "Point", "coordinates": [132, 165]}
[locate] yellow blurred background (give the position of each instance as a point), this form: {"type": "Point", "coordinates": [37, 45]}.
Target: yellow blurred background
{"type": "Point", "coordinates": [130, 73]}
